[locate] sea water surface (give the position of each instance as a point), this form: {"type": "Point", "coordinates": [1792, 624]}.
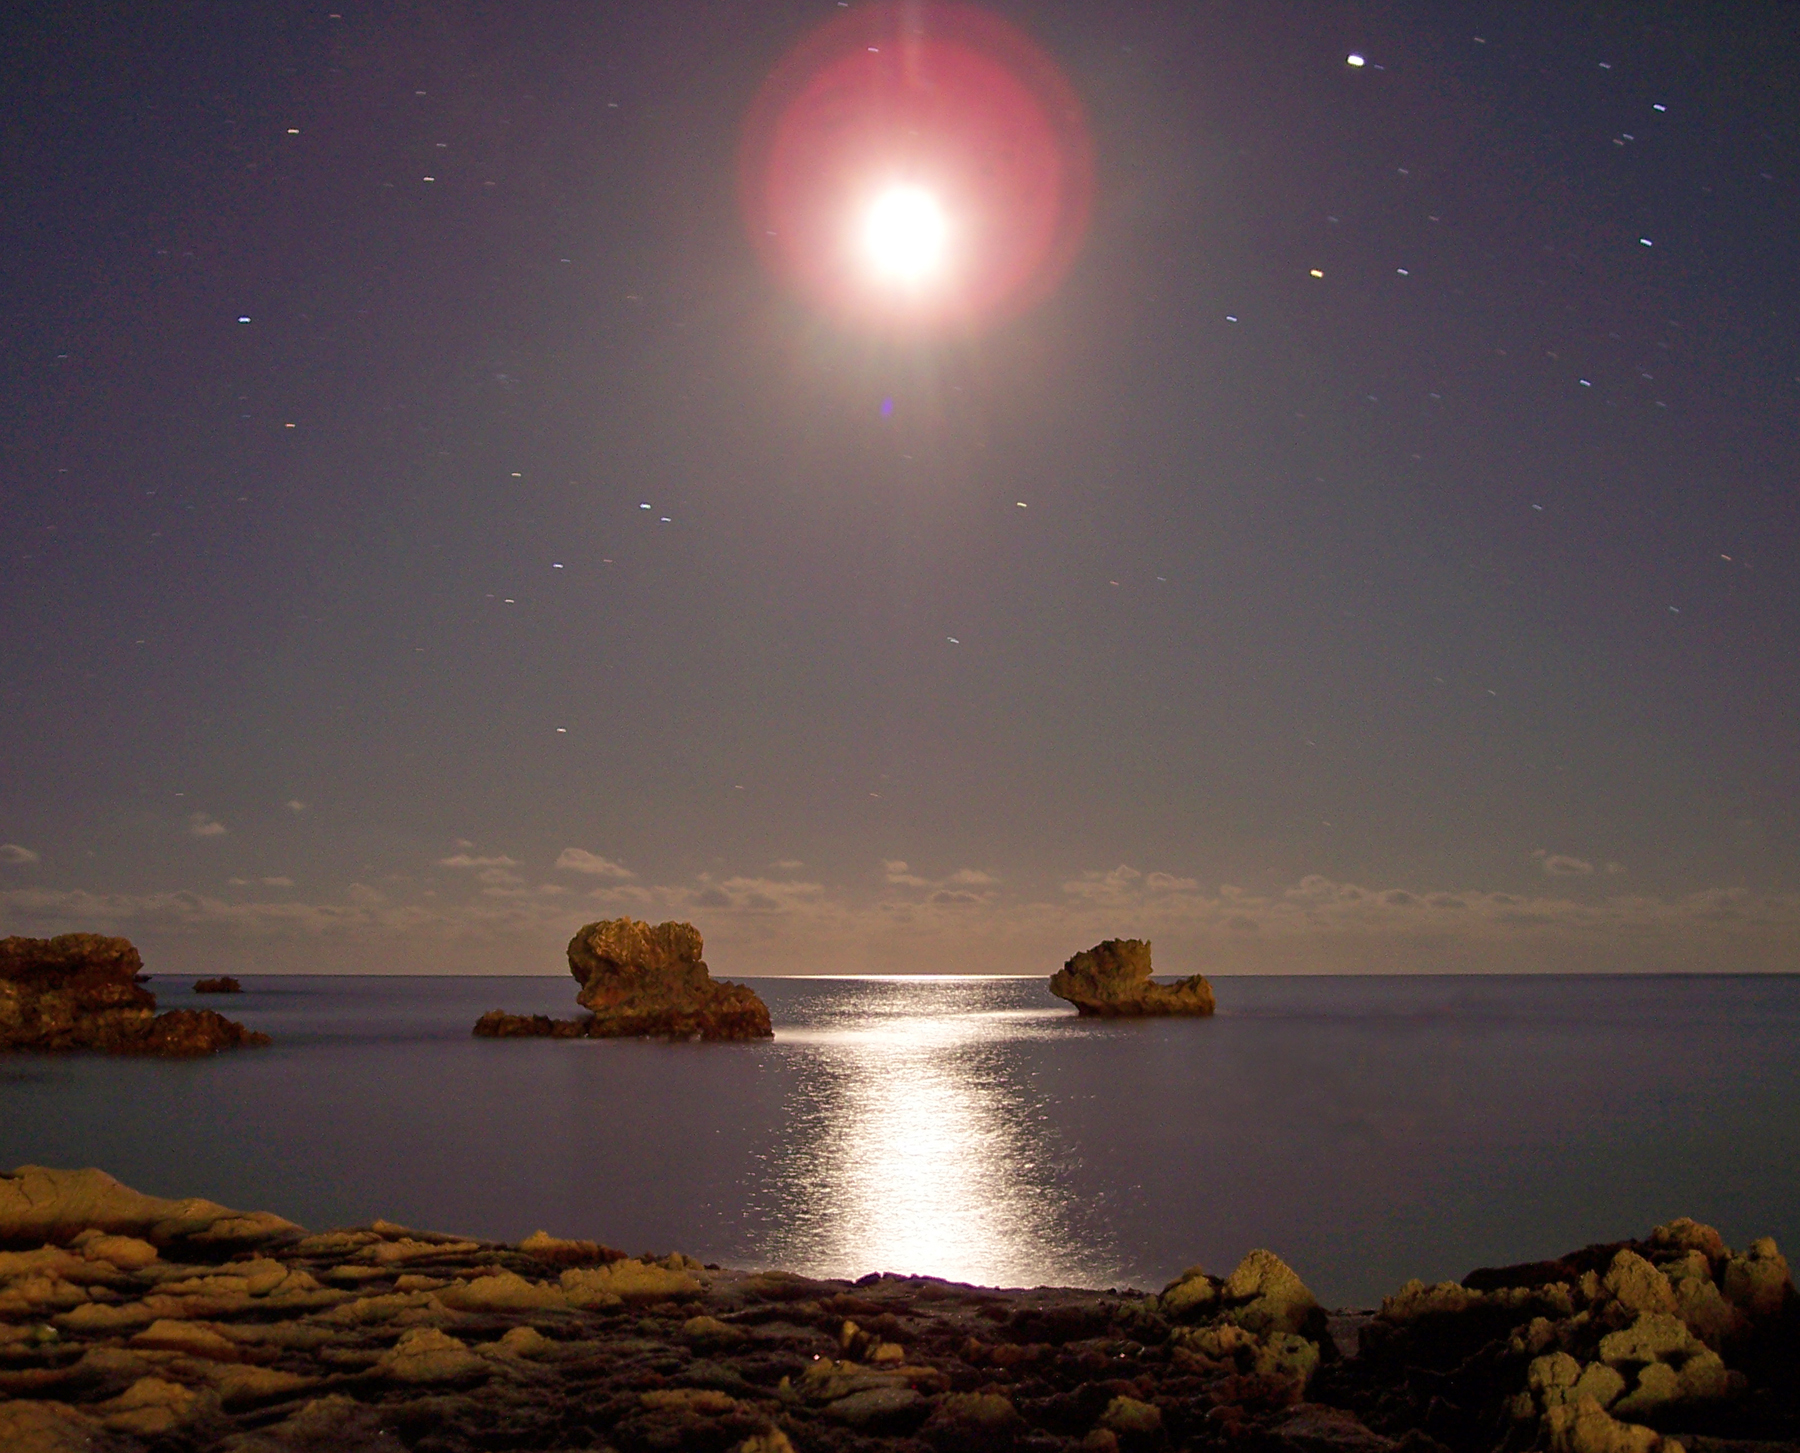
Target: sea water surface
{"type": "Point", "coordinates": [1366, 1129]}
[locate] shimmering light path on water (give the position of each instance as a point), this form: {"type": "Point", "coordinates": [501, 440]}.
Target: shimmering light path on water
{"type": "Point", "coordinates": [1366, 1129]}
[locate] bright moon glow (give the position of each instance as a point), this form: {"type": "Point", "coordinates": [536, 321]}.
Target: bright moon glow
{"type": "Point", "coordinates": [905, 235]}
{"type": "Point", "coordinates": [919, 166]}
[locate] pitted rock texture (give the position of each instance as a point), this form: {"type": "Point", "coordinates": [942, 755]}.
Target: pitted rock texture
{"type": "Point", "coordinates": [641, 982]}
{"type": "Point", "coordinates": [82, 991]}
{"type": "Point", "coordinates": [1112, 980]}
{"type": "Point", "coordinates": [382, 1337]}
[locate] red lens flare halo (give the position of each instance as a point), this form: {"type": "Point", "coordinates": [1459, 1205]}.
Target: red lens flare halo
{"type": "Point", "coordinates": [917, 166]}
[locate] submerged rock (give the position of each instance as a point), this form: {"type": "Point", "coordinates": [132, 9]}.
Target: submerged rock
{"type": "Point", "coordinates": [498, 1024]}
{"type": "Point", "coordinates": [641, 982]}
{"type": "Point", "coordinates": [84, 991]}
{"type": "Point", "coordinates": [224, 985]}
{"type": "Point", "coordinates": [1112, 979]}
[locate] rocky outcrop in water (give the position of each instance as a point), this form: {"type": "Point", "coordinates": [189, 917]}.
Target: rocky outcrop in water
{"type": "Point", "coordinates": [1112, 979]}
{"type": "Point", "coordinates": [136, 1325]}
{"type": "Point", "coordinates": [84, 991]}
{"type": "Point", "coordinates": [224, 985]}
{"type": "Point", "coordinates": [498, 1024]}
{"type": "Point", "coordinates": [641, 982]}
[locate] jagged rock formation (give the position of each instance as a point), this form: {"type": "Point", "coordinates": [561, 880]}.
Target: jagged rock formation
{"type": "Point", "coordinates": [642, 982]}
{"type": "Point", "coordinates": [1649, 1346]}
{"type": "Point", "coordinates": [1112, 979]}
{"type": "Point", "coordinates": [224, 985]}
{"type": "Point", "coordinates": [83, 991]}
{"type": "Point", "coordinates": [137, 1325]}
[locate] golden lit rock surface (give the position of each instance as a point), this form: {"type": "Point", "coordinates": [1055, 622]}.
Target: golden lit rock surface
{"type": "Point", "coordinates": [640, 981]}
{"type": "Point", "coordinates": [82, 991]}
{"type": "Point", "coordinates": [1112, 980]}
{"type": "Point", "coordinates": [182, 1337]}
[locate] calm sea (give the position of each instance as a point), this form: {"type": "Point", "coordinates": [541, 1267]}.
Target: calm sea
{"type": "Point", "coordinates": [1366, 1129]}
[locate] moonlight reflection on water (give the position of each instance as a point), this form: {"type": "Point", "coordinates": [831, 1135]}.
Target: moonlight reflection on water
{"type": "Point", "coordinates": [913, 1149]}
{"type": "Point", "coordinates": [1366, 1130]}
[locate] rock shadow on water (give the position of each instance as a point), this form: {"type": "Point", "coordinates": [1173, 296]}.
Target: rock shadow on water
{"type": "Point", "coordinates": [641, 982]}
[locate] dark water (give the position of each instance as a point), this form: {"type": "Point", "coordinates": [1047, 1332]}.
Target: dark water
{"type": "Point", "coordinates": [1367, 1129]}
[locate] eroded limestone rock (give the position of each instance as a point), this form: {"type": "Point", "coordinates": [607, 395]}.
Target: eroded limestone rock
{"type": "Point", "coordinates": [1265, 1295]}
{"type": "Point", "coordinates": [1758, 1281]}
{"type": "Point", "coordinates": [448, 1342]}
{"type": "Point", "coordinates": [640, 981]}
{"type": "Point", "coordinates": [81, 991]}
{"type": "Point", "coordinates": [1112, 980]}
{"type": "Point", "coordinates": [39, 1204]}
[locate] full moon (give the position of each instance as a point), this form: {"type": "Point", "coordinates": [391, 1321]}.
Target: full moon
{"type": "Point", "coordinates": [905, 235]}
{"type": "Point", "coordinates": [919, 165]}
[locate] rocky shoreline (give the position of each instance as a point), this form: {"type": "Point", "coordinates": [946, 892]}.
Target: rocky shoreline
{"type": "Point", "coordinates": [130, 1324]}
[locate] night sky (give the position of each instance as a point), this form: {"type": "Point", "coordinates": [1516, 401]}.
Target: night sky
{"type": "Point", "coordinates": [430, 524]}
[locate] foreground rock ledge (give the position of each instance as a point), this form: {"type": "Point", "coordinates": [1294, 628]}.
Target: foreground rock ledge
{"type": "Point", "coordinates": [641, 982]}
{"type": "Point", "coordinates": [1112, 980]}
{"type": "Point", "coordinates": [81, 991]}
{"type": "Point", "coordinates": [137, 1325]}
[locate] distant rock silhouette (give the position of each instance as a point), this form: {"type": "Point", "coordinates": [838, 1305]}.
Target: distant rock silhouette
{"type": "Point", "coordinates": [1112, 980]}
{"type": "Point", "coordinates": [83, 991]}
{"type": "Point", "coordinates": [225, 985]}
{"type": "Point", "coordinates": [641, 982]}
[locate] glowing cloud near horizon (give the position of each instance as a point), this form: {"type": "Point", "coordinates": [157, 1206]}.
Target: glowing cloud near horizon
{"type": "Point", "coordinates": [917, 166]}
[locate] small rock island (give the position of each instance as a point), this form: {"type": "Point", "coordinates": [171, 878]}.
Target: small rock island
{"type": "Point", "coordinates": [81, 991]}
{"type": "Point", "coordinates": [639, 982]}
{"type": "Point", "coordinates": [1112, 980]}
{"type": "Point", "coordinates": [223, 985]}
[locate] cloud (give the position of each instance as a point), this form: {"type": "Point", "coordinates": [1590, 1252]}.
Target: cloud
{"type": "Point", "coordinates": [278, 882]}
{"type": "Point", "coordinates": [1114, 883]}
{"type": "Point", "coordinates": [294, 804]}
{"type": "Point", "coordinates": [200, 825]}
{"type": "Point", "coordinates": [953, 889]}
{"type": "Point", "coordinates": [15, 856]}
{"type": "Point", "coordinates": [1561, 865]}
{"type": "Point", "coordinates": [787, 865]}
{"type": "Point", "coordinates": [580, 860]}
{"type": "Point", "coordinates": [491, 921]}
{"type": "Point", "coordinates": [463, 860]}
